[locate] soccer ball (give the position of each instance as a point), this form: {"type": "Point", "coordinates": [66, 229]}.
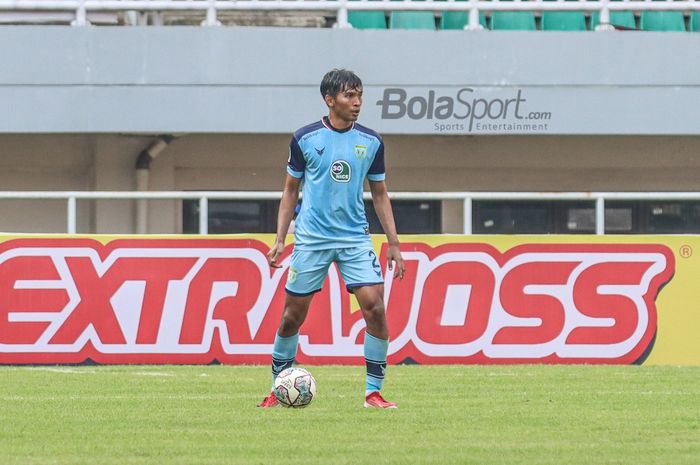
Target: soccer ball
{"type": "Point", "coordinates": [295, 387]}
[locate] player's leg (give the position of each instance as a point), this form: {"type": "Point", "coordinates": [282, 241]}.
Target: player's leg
{"type": "Point", "coordinates": [363, 277]}
{"type": "Point", "coordinates": [307, 270]}
{"type": "Point", "coordinates": [285, 347]}
{"type": "Point", "coordinates": [371, 300]}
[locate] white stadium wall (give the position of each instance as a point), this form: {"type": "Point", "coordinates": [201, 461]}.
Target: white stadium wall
{"type": "Point", "coordinates": [80, 104]}
{"type": "Point", "coordinates": [265, 80]}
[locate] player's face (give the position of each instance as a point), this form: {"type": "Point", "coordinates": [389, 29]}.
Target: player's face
{"type": "Point", "coordinates": [345, 106]}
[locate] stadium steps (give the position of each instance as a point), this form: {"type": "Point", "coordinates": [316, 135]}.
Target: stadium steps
{"type": "Point", "coordinates": [268, 18]}
{"type": "Point", "coordinates": [57, 18]}
{"type": "Point", "coordinates": [426, 20]}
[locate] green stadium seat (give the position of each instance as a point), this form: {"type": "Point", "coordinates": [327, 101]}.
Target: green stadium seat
{"type": "Point", "coordinates": [695, 21]}
{"type": "Point", "coordinates": [623, 19]}
{"type": "Point", "coordinates": [412, 20]}
{"type": "Point", "coordinates": [367, 19]}
{"type": "Point", "coordinates": [563, 21]}
{"type": "Point", "coordinates": [513, 21]}
{"type": "Point", "coordinates": [450, 20]}
{"type": "Point", "coordinates": [665, 21]}
{"type": "Point", "coordinates": [459, 19]}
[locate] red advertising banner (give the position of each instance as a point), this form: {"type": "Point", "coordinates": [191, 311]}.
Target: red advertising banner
{"type": "Point", "coordinates": [175, 300]}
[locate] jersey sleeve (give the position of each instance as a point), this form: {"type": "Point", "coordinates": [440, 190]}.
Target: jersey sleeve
{"type": "Point", "coordinates": [296, 164]}
{"type": "Point", "coordinates": [376, 170]}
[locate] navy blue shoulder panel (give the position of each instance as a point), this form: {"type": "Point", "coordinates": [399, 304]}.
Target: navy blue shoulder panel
{"type": "Point", "coordinates": [301, 132]}
{"type": "Point", "coordinates": [369, 131]}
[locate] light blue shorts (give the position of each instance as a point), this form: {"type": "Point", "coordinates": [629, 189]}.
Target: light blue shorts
{"type": "Point", "coordinates": [308, 269]}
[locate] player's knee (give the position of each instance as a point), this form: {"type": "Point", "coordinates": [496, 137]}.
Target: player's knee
{"type": "Point", "coordinates": [291, 321]}
{"type": "Point", "coordinates": [374, 311]}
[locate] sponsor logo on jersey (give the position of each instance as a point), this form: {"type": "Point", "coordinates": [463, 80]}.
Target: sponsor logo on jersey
{"type": "Point", "coordinates": [341, 171]}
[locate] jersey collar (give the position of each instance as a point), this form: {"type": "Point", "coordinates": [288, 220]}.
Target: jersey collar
{"type": "Point", "coordinates": [327, 123]}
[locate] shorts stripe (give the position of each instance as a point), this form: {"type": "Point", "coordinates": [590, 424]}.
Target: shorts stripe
{"type": "Point", "coordinates": [352, 286]}
{"type": "Point", "coordinates": [301, 294]}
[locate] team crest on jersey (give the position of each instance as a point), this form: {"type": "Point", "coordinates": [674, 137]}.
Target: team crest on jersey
{"type": "Point", "coordinates": [360, 151]}
{"type": "Point", "coordinates": [341, 171]}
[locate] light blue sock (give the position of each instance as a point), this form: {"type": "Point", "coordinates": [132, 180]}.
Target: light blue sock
{"type": "Point", "coordinates": [375, 358]}
{"type": "Point", "coordinates": [283, 353]}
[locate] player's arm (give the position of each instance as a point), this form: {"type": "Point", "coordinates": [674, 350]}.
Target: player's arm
{"type": "Point", "coordinates": [382, 205]}
{"type": "Point", "coordinates": [290, 197]}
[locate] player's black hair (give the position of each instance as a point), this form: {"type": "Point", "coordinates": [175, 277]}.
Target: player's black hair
{"type": "Point", "coordinates": [339, 80]}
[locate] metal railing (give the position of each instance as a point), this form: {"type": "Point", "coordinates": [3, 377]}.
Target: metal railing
{"type": "Point", "coordinates": [340, 8]}
{"type": "Point", "coordinates": [467, 198]}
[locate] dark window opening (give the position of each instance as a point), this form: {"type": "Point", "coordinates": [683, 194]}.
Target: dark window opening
{"type": "Point", "coordinates": [260, 216]}
{"type": "Point", "coordinates": [578, 217]}
{"type": "Point", "coordinates": [652, 217]}
{"type": "Point", "coordinates": [232, 216]}
{"type": "Point", "coordinates": [533, 217]}
{"type": "Point", "coordinates": [410, 216]}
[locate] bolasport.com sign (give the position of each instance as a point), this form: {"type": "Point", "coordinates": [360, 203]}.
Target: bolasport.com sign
{"type": "Point", "coordinates": [466, 110]}
{"type": "Point", "coordinates": [135, 300]}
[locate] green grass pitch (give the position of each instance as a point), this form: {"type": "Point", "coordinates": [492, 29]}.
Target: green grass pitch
{"type": "Point", "coordinates": [510, 415]}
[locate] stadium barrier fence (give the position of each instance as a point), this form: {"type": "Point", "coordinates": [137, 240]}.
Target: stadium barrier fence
{"type": "Point", "coordinates": [467, 198]}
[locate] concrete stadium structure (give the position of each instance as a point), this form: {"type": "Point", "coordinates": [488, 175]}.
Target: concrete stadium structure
{"type": "Point", "coordinates": [560, 111]}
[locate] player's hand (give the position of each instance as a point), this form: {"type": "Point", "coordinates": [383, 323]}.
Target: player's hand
{"type": "Point", "coordinates": [274, 253]}
{"type": "Point", "coordinates": [395, 261]}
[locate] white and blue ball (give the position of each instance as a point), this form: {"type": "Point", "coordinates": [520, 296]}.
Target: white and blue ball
{"type": "Point", "coordinates": [295, 387]}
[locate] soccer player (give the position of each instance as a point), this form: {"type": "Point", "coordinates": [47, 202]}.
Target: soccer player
{"type": "Point", "coordinates": [333, 157]}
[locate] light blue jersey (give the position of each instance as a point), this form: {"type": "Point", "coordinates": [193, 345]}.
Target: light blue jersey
{"type": "Point", "coordinates": [334, 165]}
